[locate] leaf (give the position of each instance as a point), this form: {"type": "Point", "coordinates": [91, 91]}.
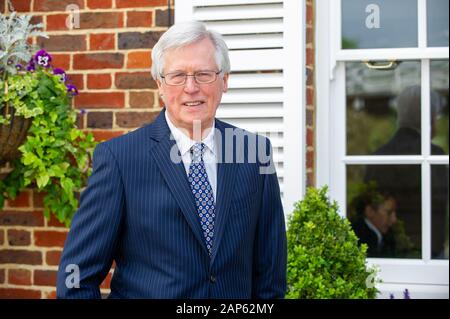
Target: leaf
{"type": "Point", "coordinates": [42, 180]}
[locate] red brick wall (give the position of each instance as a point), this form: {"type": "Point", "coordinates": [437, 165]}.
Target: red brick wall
{"type": "Point", "coordinates": [310, 96]}
{"type": "Point", "coordinates": [108, 59]}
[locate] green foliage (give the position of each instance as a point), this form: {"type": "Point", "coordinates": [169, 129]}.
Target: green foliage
{"type": "Point", "coordinates": [324, 258]}
{"type": "Point", "coordinates": [56, 155]}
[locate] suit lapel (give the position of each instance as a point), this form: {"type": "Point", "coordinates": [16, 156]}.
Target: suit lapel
{"type": "Point", "coordinates": [175, 175]}
{"type": "Point", "coordinates": [225, 181]}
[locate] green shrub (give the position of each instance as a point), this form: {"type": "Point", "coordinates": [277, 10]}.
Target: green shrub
{"type": "Point", "coordinates": [324, 258]}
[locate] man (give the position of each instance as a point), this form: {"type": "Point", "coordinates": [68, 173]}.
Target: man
{"type": "Point", "coordinates": [166, 203]}
{"type": "Point", "coordinates": [404, 181]}
{"type": "Point", "coordinates": [375, 217]}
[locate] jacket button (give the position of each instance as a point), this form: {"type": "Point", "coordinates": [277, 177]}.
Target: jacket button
{"type": "Point", "coordinates": [212, 279]}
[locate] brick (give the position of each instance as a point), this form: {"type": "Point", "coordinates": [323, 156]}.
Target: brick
{"type": "Point", "coordinates": [63, 43]}
{"type": "Point", "coordinates": [99, 81]}
{"type": "Point", "coordinates": [310, 159]}
{"type": "Point", "coordinates": [54, 222]}
{"type": "Point", "coordinates": [19, 237]}
{"type": "Point", "coordinates": [22, 200]}
{"type": "Point", "coordinates": [2, 6]}
{"type": "Point", "coordinates": [310, 77]}
{"type": "Point", "coordinates": [98, 61]}
{"type": "Point", "coordinates": [138, 40]}
{"type": "Point", "coordinates": [310, 96]}
{"type": "Point", "coordinates": [310, 180]}
{"type": "Point", "coordinates": [142, 99]}
{"type": "Point", "coordinates": [162, 18]}
{"type": "Point", "coordinates": [49, 238]}
{"type": "Point", "coordinates": [21, 5]}
{"type": "Point", "coordinates": [27, 257]}
{"type": "Point", "coordinates": [36, 20]}
{"type": "Point", "coordinates": [53, 257]}
{"type": "Point", "coordinates": [14, 293]}
{"type": "Point", "coordinates": [102, 41]}
{"type": "Point", "coordinates": [49, 294]}
{"type": "Point", "coordinates": [310, 137]}
{"type": "Point", "coordinates": [101, 136]}
{"type": "Point", "coordinates": [137, 80]}
{"type": "Point", "coordinates": [309, 56]}
{"type": "Point", "coordinates": [61, 61]}
{"type": "Point", "coordinates": [135, 119]}
{"type": "Point", "coordinates": [2, 272]}
{"type": "Point", "coordinates": [11, 218]}
{"type": "Point", "coordinates": [139, 19]}
{"type": "Point", "coordinates": [38, 199]}
{"type": "Point", "coordinates": [56, 22]}
{"type": "Point", "coordinates": [45, 278]}
{"type": "Point", "coordinates": [2, 236]}
{"type": "Point", "coordinates": [77, 80]}
{"type": "Point", "coordinates": [100, 120]}
{"type": "Point", "coordinates": [101, 20]}
{"type": "Point", "coordinates": [139, 60]}
{"type": "Point", "coordinates": [19, 277]}
{"type": "Point", "coordinates": [99, 4]}
{"type": "Point", "coordinates": [309, 118]}
{"type": "Point", "coordinates": [100, 100]}
{"type": "Point", "coordinates": [140, 3]}
{"type": "Point", "coordinates": [56, 5]}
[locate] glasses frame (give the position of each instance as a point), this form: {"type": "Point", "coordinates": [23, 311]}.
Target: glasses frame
{"type": "Point", "coordinates": [193, 75]}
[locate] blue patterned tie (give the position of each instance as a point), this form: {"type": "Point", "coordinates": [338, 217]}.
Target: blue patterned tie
{"type": "Point", "coordinates": [203, 194]}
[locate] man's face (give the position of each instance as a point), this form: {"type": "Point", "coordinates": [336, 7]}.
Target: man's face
{"type": "Point", "coordinates": [192, 101]}
{"type": "Point", "coordinates": [385, 216]}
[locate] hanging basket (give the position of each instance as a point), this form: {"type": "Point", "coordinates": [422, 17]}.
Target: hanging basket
{"type": "Point", "coordinates": [13, 134]}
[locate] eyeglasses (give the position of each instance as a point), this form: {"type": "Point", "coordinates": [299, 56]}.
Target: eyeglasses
{"type": "Point", "coordinates": [201, 77]}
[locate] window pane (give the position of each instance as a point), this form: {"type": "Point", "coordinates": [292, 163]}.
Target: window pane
{"type": "Point", "coordinates": [369, 24]}
{"type": "Point", "coordinates": [439, 211]}
{"type": "Point", "coordinates": [384, 207]}
{"type": "Point", "coordinates": [439, 107]}
{"type": "Point", "coordinates": [383, 109]}
{"type": "Point", "coordinates": [437, 17]}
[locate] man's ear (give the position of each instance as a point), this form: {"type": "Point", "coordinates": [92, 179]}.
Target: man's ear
{"type": "Point", "coordinates": [225, 82]}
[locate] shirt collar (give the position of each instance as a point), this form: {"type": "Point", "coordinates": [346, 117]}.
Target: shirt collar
{"type": "Point", "coordinates": [184, 142]}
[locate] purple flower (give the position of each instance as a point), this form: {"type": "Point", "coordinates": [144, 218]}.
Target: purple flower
{"type": "Point", "coordinates": [19, 67]}
{"type": "Point", "coordinates": [72, 90]}
{"type": "Point", "coordinates": [31, 67]}
{"type": "Point", "coordinates": [62, 74]}
{"type": "Point", "coordinates": [83, 111]}
{"type": "Point", "coordinates": [406, 294]}
{"type": "Point", "coordinates": [391, 296]}
{"type": "Point", "coordinates": [42, 58]}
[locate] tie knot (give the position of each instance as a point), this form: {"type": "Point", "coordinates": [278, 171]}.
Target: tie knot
{"type": "Point", "coordinates": [197, 151]}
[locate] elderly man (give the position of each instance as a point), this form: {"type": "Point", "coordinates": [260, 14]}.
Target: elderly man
{"type": "Point", "coordinates": [184, 208]}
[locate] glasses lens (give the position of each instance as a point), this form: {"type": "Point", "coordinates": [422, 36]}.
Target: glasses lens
{"type": "Point", "coordinates": [175, 78]}
{"type": "Point", "coordinates": [205, 76]}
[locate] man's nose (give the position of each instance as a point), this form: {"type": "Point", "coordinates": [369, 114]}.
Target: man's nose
{"type": "Point", "coordinates": [190, 86]}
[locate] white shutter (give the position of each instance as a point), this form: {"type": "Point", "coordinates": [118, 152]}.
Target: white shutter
{"type": "Point", "coordinates": [260, 98]}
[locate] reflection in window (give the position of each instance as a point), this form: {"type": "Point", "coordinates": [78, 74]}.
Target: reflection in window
{"type": "Point", "coordinates": [439, 107]}
{"type": "Point", "coordinates": [439, 211]}
{"type": "Point", "coordinates": [369, 24]}
{"type": "Point", "coordinates": [437, 20]}
{"type": "Point", "coordinates": [384, 207]}
{"type": "Point", "coordinates": [383, 109]}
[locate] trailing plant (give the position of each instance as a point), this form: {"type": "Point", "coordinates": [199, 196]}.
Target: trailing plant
{"type": "Point", "coordinates": [56, 155]}
{"type": "Point", "coordinates": [324, 258]}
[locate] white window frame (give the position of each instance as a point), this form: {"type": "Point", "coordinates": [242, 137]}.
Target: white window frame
{"type": "Point", "coordinates": [424, 277]}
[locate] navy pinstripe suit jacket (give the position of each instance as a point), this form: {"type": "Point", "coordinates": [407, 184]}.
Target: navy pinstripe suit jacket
{"type": "Point", "coordinates": [138, 210]}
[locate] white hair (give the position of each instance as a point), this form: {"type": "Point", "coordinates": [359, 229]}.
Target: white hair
{"type": "Point", "coordinates": [183, 34]}
{"type": "Point", "coordinates": [409, 107]}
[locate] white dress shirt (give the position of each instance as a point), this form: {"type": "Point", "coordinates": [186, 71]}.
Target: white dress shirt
{"type": "Point", "coordinates": [185, 143]}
